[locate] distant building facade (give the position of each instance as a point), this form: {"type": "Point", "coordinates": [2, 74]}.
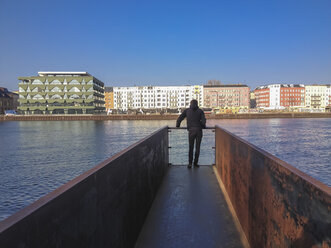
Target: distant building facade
{"type": "Point", "coordinates": [61, 93]}
{"type": "Point", "coordinates": [252, 100]}
{"type": "Point", "coordinates": [197, 93]}
{"type": "Point", "coordinates": [8, 100]}
{"type": "Point", "coordinates": [262, 97]}
{"type": "Point", "coordinates": [15, 96]}
{"type": "Point", "coordinates": [276, 96]}
{"type": "Point", "coordinates": [5, 100]}
{"type": "Point", "coordinates": [292, 95]}
{"type": "Point", "coordinates": [317, 96]}
{"type": "Point", "coordinates": [156, 97]}
{"type": "Point", "coordinates": [109, 98]}
{"type": "Point", "coordinates": [221, 96]}
{"type": "Point", "coordinates": [328, 96]}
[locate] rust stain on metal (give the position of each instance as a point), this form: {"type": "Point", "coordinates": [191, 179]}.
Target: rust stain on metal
{"type": "Point", "coordinates": [276, 204]}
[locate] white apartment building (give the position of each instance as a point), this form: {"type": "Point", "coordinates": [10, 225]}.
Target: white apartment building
{"type": "Point", "coordinates": [156, 97]}
{"type": "Point", "coordinates": [274, 96]}
{"type": "Point", "coordinates": [317, 96]}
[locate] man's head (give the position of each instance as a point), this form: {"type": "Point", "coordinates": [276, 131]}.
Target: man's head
{"type": "Point", "coordinates": [194, 104]}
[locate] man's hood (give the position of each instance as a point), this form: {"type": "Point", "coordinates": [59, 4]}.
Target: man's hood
{"type": "Point", "coordinates": [194, 106]}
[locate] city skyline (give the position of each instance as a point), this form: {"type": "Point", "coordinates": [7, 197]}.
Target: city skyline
{"type": "Point", "coordinates": [172, 43]}
{"type": "Point", "coordinates": [82, 93]}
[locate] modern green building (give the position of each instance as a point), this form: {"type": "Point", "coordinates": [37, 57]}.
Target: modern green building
{"type": "Point", "coordinates": [61, 93]}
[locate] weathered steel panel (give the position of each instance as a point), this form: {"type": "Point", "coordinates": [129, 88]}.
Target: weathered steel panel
{"type": "Point", "coordinates": [277, 205]}
{"type": "Point", "coordinates": [104, 207]}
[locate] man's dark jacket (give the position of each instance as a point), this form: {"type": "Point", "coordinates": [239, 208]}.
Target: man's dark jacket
{"type": "Point", "coordinates": [195, 117]}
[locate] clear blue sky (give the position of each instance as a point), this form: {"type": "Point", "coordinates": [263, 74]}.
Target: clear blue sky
{"type": "Point", "coordinates": [168, 42]}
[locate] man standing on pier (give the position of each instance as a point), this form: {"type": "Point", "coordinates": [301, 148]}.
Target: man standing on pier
{"type": "Point", "coordinates": [196, 120]}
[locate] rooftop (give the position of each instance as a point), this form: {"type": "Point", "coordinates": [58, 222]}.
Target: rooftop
{"type": "Point", "coordinates": [5, 93]}
{"type": "Point", "coordinates": [62, 73]}
{"type": "Point", "coordinates": [109, 89]}
{"type": "Point", "coordinates": [280, 86]}
{"type": "Point", "coordinates": [225, 85]}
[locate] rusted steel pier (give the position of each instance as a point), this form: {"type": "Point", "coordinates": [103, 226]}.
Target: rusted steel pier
{"type": "Point", "coordinates": [135, 198]}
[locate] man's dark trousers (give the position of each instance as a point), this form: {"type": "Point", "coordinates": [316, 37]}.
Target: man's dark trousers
{"type": "Point", "coordinates": [194, 134]}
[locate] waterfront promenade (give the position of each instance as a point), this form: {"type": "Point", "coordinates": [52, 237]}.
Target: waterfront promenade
{"type": "Point", "coordinates": [159, 117]}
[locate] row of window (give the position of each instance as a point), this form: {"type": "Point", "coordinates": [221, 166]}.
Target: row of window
{"type": "Point", "coordinates": [222, 104]}
{"type": "Point", "coordinates": [291, 99]}
{"type": "Point", "coordinates": [74, 96]}
{"type": "Point", "coordinates": [292, 95]}
{"type": "Point", "coordinates": [56, 89]}
{"type": "Point", "coordinates": [36, 81]}
{"type": "Point", "coordinates": [121, 91]}
{"type": "Point", "coordinates": [318, 95]}
{"type": "Point", "coordinates": [150, 99]}
{"type": "Point", "coordinates": [150, 105]}
{"type": "Point", "coordinates": [152, 95]}
{"type": "Point", "coordinates": [292, 90]}
{"type": "Point", "coordinates": [222, 100]}
{"type": "Point", "coordinates": [224, 90]}
{"type": "Point", "coordinates": [222, 95]}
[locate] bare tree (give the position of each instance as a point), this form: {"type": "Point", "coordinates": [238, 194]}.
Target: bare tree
{"type": "Point", "coordinates": [214, 82]}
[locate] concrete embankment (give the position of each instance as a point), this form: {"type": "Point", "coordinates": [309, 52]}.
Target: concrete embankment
{"type": "Point", "coordinates": [158, 117]}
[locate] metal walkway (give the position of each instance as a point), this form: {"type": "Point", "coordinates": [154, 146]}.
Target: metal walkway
{"type": "Point", "coordinates": [189, 211]}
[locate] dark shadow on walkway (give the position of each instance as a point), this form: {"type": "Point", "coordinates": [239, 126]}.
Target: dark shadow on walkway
{"type": "Point", "coordinates": [189, 211]}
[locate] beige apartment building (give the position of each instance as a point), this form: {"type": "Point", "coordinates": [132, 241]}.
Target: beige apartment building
{"type": "Point", "coordinates": [221, 96]}
{"type": "Point", "coordinates": [317, 96]}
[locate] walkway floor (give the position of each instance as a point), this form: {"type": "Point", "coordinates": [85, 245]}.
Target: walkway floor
{"type": "Point", "coordinates": [189, 211]}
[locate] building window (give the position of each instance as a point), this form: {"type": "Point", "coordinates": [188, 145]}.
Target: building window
{"type": "Point", "coordinates": [55, 82]}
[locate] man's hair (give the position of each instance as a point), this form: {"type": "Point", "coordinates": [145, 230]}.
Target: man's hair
{"type": "Point", "coordinates": [194, 103]}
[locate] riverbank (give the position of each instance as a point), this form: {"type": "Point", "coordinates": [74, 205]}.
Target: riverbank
{"type": "Point", "coordinates": [158, 117]}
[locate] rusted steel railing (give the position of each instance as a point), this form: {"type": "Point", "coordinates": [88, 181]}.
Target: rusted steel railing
{"type": "Point", "coordinates": [104, 207]}
{"type": "Point", "coordinates": [276, 204]}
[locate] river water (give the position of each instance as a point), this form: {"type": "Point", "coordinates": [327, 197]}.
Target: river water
{"type": "Point", "coordinates": [37, 157]}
